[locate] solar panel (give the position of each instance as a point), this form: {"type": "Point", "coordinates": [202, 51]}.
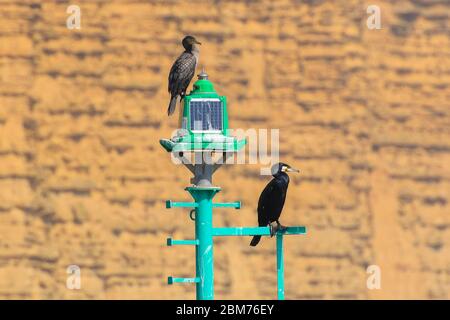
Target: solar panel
{"type": "Point", "coordinates": [206, 115]}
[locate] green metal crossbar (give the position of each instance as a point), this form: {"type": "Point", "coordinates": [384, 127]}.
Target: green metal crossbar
{"type": "Point", "coordinates": [172, 280]}
{"type": "Point", "coordinates": [256, 231]}
{"type": "Point", "coordinates": [171, 204]}
{"type": "Point", "coordinates": [236, 205]}
{"type": "Point", "coordinates": [172, 242]}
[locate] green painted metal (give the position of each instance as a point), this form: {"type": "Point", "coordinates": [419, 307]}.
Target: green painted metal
{"type": "Point", "coordinates": [172, 280]}
{"type": "Point", "coordinates": [172, 204]}
{"type": "Point", "coordinates": [256, 231]}
{"type": "Point", "coordinates": [173, 242]}
{"type": "Point", "coordinates": [204, 258]}
{"type": "Point", "coordinates": [189, 140]}
{"type": "Point", "coordinates": [280, 266]}
{"type": "Point", "coordinates": [226, 145]}
{"type": "Point", "coordinates": [236, 205]}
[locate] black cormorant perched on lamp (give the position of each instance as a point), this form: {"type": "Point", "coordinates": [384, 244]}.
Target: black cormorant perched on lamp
{"type": "Point", "coordinates": [182, 71]}
{"type": "Point", "coordinates": [271, 200]}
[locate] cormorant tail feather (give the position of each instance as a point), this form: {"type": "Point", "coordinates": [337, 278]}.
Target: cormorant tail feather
{"type": "Point", "coordinates": [255, 240]}
{"type": "Point", "coordinates": [172, 105]}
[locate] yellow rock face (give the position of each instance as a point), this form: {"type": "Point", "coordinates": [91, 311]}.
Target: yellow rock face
{"type": "Point", "coordinates": [363, 113]}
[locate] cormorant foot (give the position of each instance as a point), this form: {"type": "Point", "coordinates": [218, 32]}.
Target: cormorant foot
{"type": "Point", "coordinates": [280, 227]}
{"type": "Point", "coordinates": [273, 230]}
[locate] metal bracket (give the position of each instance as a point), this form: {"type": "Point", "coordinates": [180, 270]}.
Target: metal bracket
{"type": "Point", "coordinates": [172, 280]}
{"type": "Point", "coordinates": [236, 205]}
{"type": "Point", "coordinates": [171, 204]}
{"type": "Point", "coordinates": [180, 156]}
{"type": "Point", "coordinates": [173, 242]}
{"type": "Point", "coordinates": [255, 231]}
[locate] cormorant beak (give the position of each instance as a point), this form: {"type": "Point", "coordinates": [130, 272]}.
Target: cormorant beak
{"type": "Point", "coordinates": [290, 169]}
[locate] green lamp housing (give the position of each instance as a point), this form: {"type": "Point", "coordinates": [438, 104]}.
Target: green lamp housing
{"type": "Point", "coordinates": [204, 122]}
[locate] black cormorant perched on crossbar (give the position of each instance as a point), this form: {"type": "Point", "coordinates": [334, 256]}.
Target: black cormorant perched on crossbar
{"type": "Point", "coordinates": [271, 200]}
{"type": "Point", "coordinates": [182, 71]}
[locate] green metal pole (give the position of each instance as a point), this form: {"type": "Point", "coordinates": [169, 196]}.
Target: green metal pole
{"type": "Point", "coordinates": [280, 267]}
{"type": "Point", "coordinates": [204, 266]}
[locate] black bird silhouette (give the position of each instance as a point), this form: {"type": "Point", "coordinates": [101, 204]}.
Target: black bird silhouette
{"type": "Point", "coordinates": [182, 71]}
{"type": "Point", "coordinates": [271, 200]}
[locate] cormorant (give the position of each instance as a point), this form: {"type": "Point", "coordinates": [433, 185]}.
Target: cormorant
{"type": "Point", "coordinates": [271, 200]}
{"type": "Point", "coordinates": [182, 71]}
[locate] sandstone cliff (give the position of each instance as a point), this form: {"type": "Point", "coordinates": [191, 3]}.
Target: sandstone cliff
{"type": "Point", "coordinates": [363, 113]}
